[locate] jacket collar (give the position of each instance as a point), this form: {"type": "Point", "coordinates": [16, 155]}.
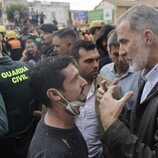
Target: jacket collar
{"type": "Point", "coordinates": [5, 59]}
{"type": "Point", "coordinates": [153, 93]}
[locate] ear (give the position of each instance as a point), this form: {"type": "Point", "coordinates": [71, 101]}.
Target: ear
{"type": "Point", "coordinates": [76, 63]}
{"type": "Point", "coordinates": [108, 49]}
{"type": "Point", "coordinates": [53, 95]}
{"type": "Point", "coordinates": [69, 44]}
{"type": "Point", "coordinates": [149, 36]}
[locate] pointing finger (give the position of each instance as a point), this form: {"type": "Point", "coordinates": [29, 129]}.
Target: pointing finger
{"type": "Point", "coordinates": [111, 89]}
{"type": "Point", "coordinates": [103, 85]}
{"type": "Point", "coordinates": [115, 82]}
{"type": "Point", "coordinates": [126, 97]}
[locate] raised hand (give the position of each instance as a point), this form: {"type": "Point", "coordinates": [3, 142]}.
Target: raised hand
{"type": "Point", "coordinates": [111, 108]}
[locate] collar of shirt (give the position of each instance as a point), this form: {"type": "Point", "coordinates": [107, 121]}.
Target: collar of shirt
{"type": "Point", "coordinates": [129, 71]}
{"type": "Point", "coordinates": [152, 75]}
{"type": "Point", "coordinates": [151, 78]}
{"type": "Point", "coordinates": [92, 89]}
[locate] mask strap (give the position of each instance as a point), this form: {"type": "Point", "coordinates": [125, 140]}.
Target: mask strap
{"type": "Point", "coordinates": [62, 98]}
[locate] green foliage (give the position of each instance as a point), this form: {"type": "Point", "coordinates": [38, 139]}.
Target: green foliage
{"type": "Point", "coordinates": [15, 7]}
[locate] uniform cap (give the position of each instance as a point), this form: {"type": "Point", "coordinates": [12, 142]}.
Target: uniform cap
{"type": "Point", "coordinates": [84, 29]}
{"type": "Point", "coordinates": [2, 28]}
{"type": "Point", "coordinates": [11, 34]}
{"type": "Point", "coordinates": [97, 23]}
{"type": "Point", "coordinates": [48, 27]}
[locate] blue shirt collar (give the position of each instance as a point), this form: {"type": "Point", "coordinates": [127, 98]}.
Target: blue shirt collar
{"type": "Point", "coordinates": [129, 71]}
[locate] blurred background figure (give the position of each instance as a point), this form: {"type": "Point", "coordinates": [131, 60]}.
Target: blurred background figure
{"type": "Point", "coordinates": [101, 44]}
{"type": "Point", "coordinates": [46, 37]}
{"type": "Point", "coordinates": [28, 33]}
{"type": "Point", "coordinates": [13, 45]}
{"type": "Point", "coordinates": [63, 40]}
{"type": "Point", "coordinates": [55, 22]}
{"type": "Point", "coordinates": [94, 29]}
{"type": "Point", "coordinates": [31, 53]}
{"type": "Point", "coordinates": [42, 17]}
{"type": "Point", "coordinates": [3, 40]}
{"type": "Point", "coordinates": [16, 17]}
{"type": "Point", "coordinates": [84, 34]}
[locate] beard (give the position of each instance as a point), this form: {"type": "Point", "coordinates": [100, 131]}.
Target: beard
{"type": "Point", "coordinates": [141, 59]}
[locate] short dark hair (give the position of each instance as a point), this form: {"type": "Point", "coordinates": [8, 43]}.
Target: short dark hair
{"type": "Point", "coordinates": [76, 46]}
{"type": "Point", "coordinates": [30, 41]}
{"type": "Point", "coordinates": [48, 27]}
{"type": "Point", "coordinates": [47, 74]}
{"type": "Point", "coordinates": [66, 33]}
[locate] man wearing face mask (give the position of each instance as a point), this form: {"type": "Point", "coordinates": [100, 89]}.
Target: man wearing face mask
{"type": "Point", "coordinates": [57, 84]}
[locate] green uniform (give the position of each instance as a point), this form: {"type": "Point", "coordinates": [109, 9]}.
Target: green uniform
{"type": "Point", "coordinates": [3, 118]}
{"type": "Point", "coordinates": [18, 100]}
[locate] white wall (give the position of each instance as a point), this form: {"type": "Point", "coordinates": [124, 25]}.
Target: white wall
{"type": "Point", "coordinates": [60, 10]}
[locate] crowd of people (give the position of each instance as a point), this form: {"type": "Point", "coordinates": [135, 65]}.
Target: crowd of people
{"type": "Point", "coordinates": [81, 93]}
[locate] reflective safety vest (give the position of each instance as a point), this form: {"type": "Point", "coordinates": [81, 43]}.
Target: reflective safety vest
{"type": "Point", "coordinates": [15, 44]}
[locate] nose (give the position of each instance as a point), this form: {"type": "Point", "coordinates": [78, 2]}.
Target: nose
{"type": "Point", "coordinates": [121, 50]}
{"type": "Point", "coordinates": [55, 48]}
{"type": "Point", "coordinates": [121, 58]}
{"type": "Point", "coordinates": [96, 63]}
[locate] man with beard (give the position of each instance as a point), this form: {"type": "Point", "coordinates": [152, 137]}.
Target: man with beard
{"type": "Point", "coordinates": [120, 69]}
{"type": "Point", "coordinates": [46, 37]}
{"type": "Point", "coordinates": [63, 40]}
{"type": "Point", "coordinates": [31, 53]}
{"type": "Point", "coordinates": [138, 37]}
{"type": "Point", "coordinates": [57, 84]}
{"type": "Point", "coordinates": [87, 61]}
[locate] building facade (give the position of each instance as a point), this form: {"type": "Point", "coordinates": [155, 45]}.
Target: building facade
{"type": "Point", "coordinates": [119, 7]}
{"type": "Point", "coordinates": [58, 10]}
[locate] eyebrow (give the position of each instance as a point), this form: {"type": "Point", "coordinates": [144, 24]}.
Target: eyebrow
{"type": "Point", "coordinates": [116, 53]}
{"type": "Point", "coordinates": [122, 40]}
{"type": "Point", "coordinates": [95, 58]}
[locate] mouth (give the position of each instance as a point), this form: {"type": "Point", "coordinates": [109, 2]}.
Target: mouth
{"type": "Point", "coordinates": [95, 72]}
{"type": "Point", "coordinates": [83, 96]}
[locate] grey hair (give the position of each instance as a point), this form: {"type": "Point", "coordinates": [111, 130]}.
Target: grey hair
{"type": "Point", "coordinates": [112, 40]}
{"type": "Point", "coordinates": [141, 17]}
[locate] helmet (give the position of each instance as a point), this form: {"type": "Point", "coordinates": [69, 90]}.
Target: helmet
{"type": "Point", "coordinates": [84, 29]}
{"type": "Point", "coordinates": [97, 23]}
{"type": "Point", "coordinates": [11, 34]}
{"type": "Point", "coordinates": [2, 29]}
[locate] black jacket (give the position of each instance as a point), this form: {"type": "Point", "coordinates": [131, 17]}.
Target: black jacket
{"type": "Point", "coordinates": [48, 52]}
{"type": "Point", "coordinates": [141, 141]}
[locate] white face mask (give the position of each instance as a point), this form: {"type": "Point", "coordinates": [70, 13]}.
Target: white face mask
{"type": "Point", "coordinates": [72, 107]}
